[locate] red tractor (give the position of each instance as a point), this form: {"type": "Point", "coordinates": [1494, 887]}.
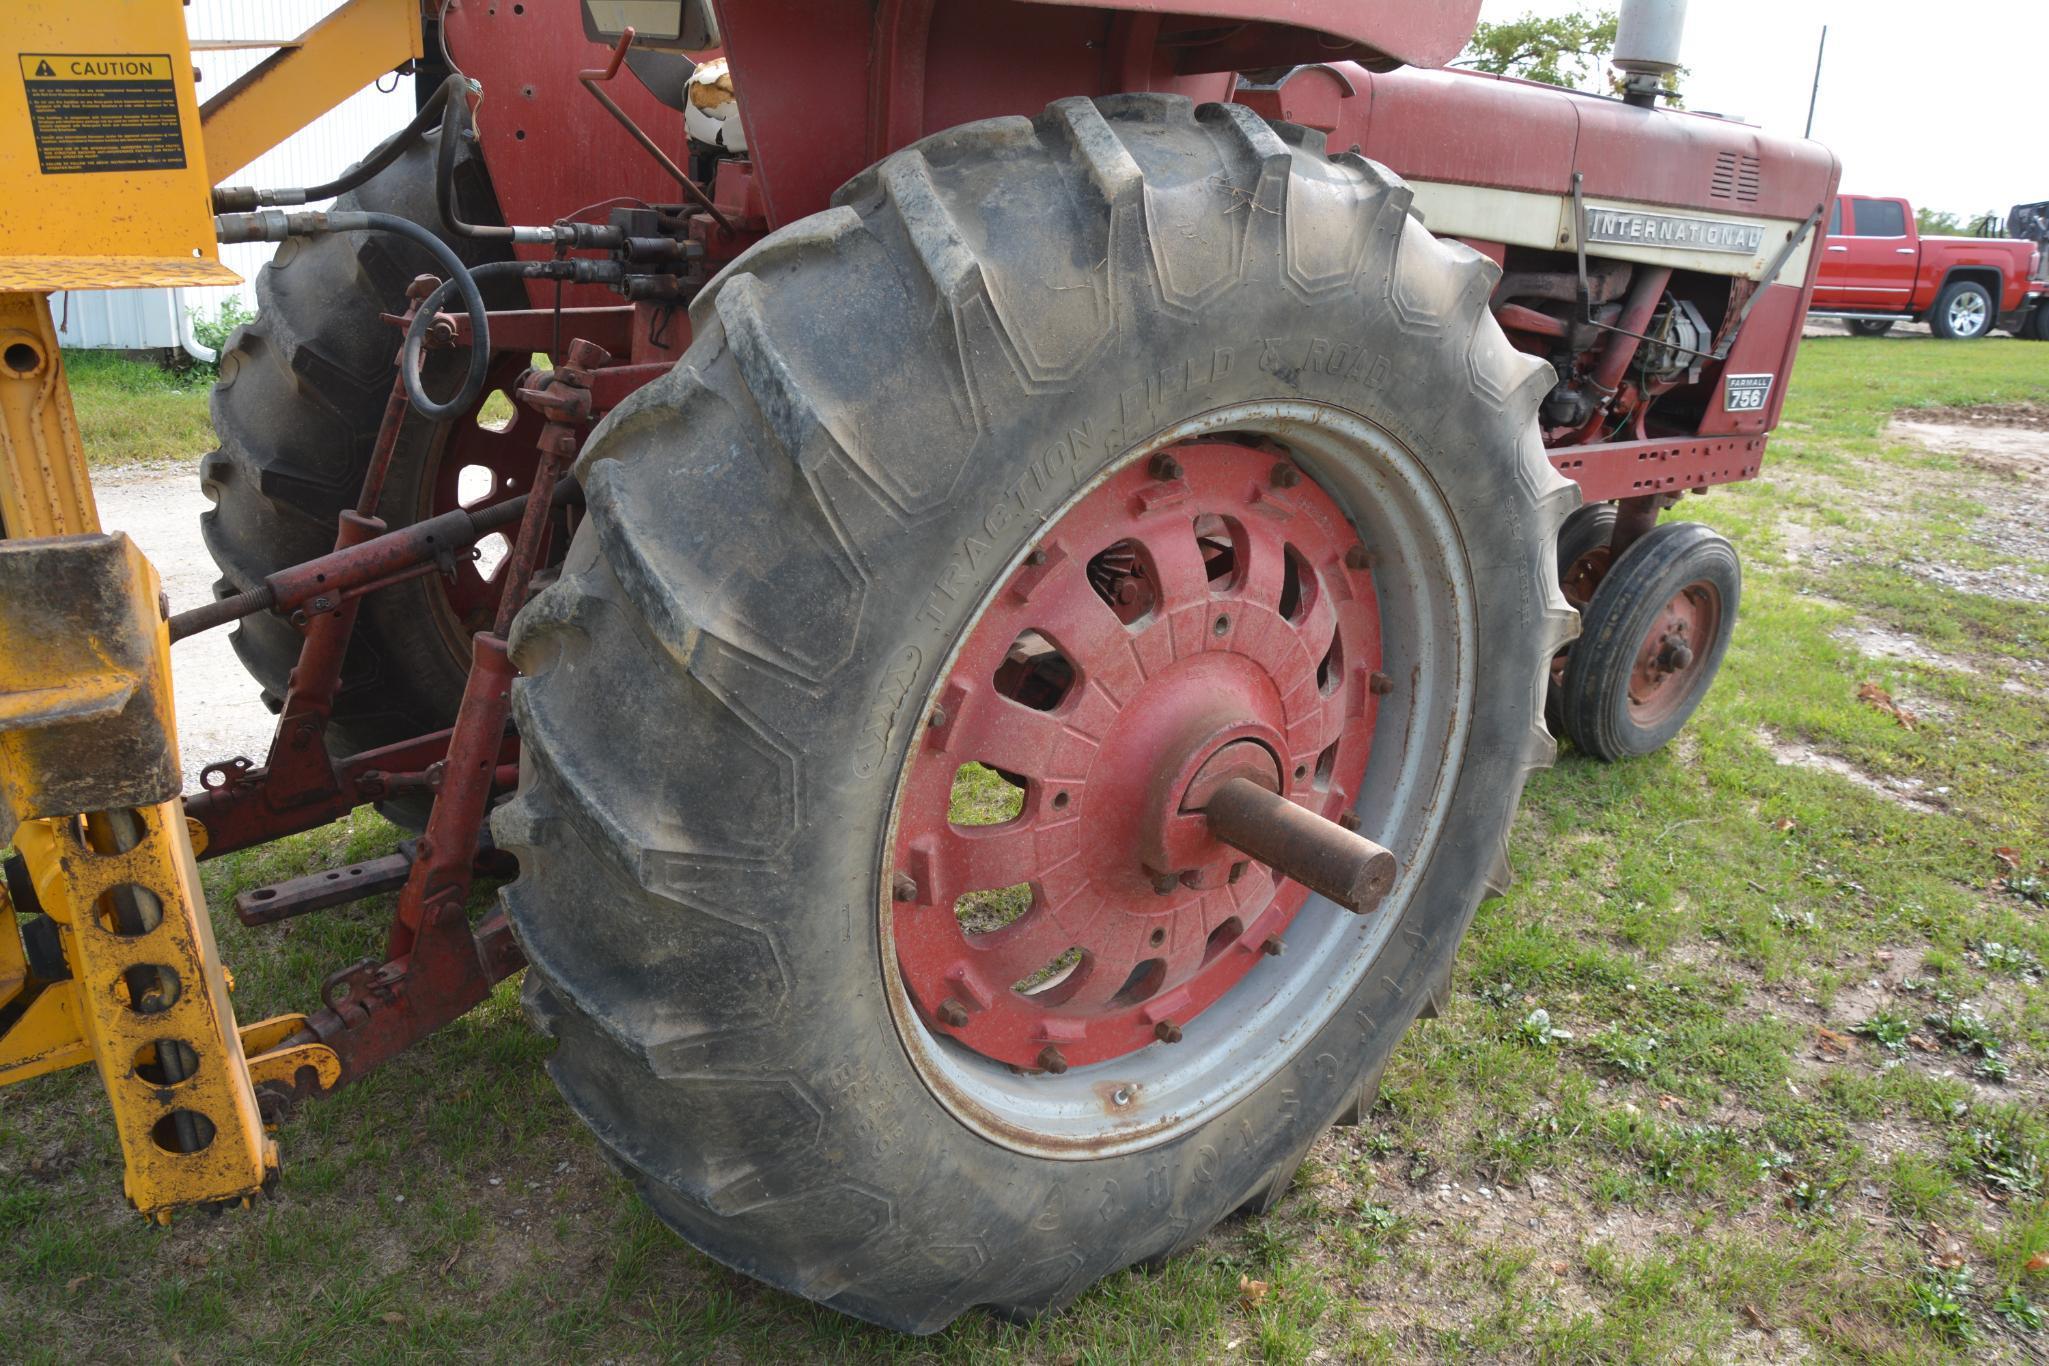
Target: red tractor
{"type": "Point", "coordinates": [1005, 649]}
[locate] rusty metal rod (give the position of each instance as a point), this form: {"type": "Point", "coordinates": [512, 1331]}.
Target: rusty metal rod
{"type": "Point", "coordinates": [342, 572]}
{"type": "Point", "coordinates": [592, 77]}
{"type": "Point", "coordinates": [1296, 842]}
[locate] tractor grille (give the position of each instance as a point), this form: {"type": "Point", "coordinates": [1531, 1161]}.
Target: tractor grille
{"type": "Point", "coordinates": [1737, 177]}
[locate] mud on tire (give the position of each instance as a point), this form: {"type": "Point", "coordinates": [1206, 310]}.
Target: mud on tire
{"type": "Point", "coordinates": [882, 407]}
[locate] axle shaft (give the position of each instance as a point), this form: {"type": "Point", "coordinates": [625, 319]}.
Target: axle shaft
{"type": "Point", "coordinates": [1296, 842]}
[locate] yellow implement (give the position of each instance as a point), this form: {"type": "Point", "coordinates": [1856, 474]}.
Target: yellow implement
{"type": "Point", "coordinates": [107, 953]}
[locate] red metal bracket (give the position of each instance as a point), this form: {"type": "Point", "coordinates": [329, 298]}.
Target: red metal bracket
{"type": "Point", "coordinates": [1632, 469]}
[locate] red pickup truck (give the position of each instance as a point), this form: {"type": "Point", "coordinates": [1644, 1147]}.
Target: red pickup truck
{"type": "Point", "coordinates": [1877, 269]}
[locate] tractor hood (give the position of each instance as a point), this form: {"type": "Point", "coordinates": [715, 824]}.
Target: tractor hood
{"type": "Point", "coordinates": [1412, 32]}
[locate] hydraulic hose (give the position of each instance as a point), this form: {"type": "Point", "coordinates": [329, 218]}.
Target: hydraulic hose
{"type": "Point", "coordinates": [454, 112]}
{"type": "Point", "coordinates": [464, 280]}
{"type": "Point", "coordinates": [577, 272]}
{"type": "Point", "coordinates": [480, 343]}
{"type": "Point", "coordinates": [273, 225]}
{"type": "Point", "coordinates": [242, 198]}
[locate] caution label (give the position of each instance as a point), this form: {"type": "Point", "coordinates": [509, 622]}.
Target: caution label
{"type": "Point", "coordinates": [99, 111]}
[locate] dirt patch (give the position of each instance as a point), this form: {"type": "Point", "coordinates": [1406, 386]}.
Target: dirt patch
{"type": "Point", "coordinates": [2027, 414]}
{"type": "Point", "coordinates": [2009, 583]}
{"type": "Point", "coordinates": [2020, 452]}
{"type": "Point", "coordinates": [1911, 793]}
{"type": "Point", "coordinates": [2010, 441]}
{"type": "Point", "coordinates": [1878, 642]}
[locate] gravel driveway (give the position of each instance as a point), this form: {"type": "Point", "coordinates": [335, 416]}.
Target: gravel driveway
{"type": "Point", "coordinates": [220, 713]}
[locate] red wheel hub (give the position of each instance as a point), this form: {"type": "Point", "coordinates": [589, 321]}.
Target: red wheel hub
{"type": "Point", "coordinates": [1673, 654]}
{"type": "Point", "coordinates": [479, 466]}
{"type": "Point", "coordinates": [1205, 615]}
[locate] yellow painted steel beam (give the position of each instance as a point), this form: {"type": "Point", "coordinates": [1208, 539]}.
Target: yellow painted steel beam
{"type": "Point", "coordinates": [47, 1036]}
{"type": "Point", "coordinates": [331, 61]}
{"type": "Point", "coordinates": [152, 1003]}
{"type": "Point", "coordinates": [89, 782]}
{"type": "Point", "coordinates": [43, 492]}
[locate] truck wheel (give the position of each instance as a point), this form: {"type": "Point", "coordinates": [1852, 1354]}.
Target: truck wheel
{"type": "Point", "coordinates": [986, 510]}
{"type": "Point", "coordinates": [302, 390]}
{"type": "Point", "coordinates": [1583, 561]}
{"type": "Point", "coordinates": [2037, 326]}
{"type": "Point", "coordinates": [1868, 327]}
{"type": "Point", "coordinates": [1653, 638]}
{"type": "Point", "coordinates": [1964, 312]}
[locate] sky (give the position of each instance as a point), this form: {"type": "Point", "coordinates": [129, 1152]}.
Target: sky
{"type": "Point", "coordinates": [1940, 103]}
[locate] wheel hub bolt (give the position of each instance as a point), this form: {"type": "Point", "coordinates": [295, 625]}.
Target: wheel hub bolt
{"type": "Point", "coordinates": [1285, 475]}
{"type": "Point", "coordinates": [1273, 946]}
{"type": "Point", "coordinates": [1051, 1061]}
{"type": "Point", "coordinates": [1165, 883]}
{"type": "Point", "coordinates": [953, 1014]}
{"type": "Point", "coordinates": [1358, 557]}
{"type": "Point", "coordinates": [1166, 1031]}
{"type": "Point", "coordinates": [1380, 685]}
{"type": "Point", "coordinates": [1164, 467]}
{"type": "Point", "coordinates": [903, 887]}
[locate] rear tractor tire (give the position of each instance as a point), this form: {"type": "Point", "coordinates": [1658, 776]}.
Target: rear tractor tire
{"type": "Point", "coordinates": [1653, 638]}
{"type": "Point", "coordinates": [301, 394]}
{"type": "Point", "coordinates": [1062, 458]}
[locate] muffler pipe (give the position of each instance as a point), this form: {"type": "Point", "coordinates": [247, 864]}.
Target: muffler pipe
{"type": "Point", "coordinates": [1648, 38]}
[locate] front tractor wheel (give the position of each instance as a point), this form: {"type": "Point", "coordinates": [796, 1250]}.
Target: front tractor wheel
{"type": "Point", "coordinates": [1655, 633]}
{"type": "Point", "coordinates": [1067, 477]}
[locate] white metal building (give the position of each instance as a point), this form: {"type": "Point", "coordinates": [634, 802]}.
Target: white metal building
{"type": "Point", "coordinates": [140, 319]}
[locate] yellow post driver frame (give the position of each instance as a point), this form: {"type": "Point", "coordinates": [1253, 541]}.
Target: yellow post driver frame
{"type": "Point", "coordinates": [106, 950]}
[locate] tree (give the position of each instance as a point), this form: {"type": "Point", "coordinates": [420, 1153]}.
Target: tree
{"type": "Point", "coordinates": [1568, 49]}
{"type": "Point", "coordinates": [1935, 223]}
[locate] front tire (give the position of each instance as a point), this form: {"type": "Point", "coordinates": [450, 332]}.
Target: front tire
{"type": "Point", "coordinates": [791, 546]}
{"type": "Point", "coordinates": [1965, 311]}
{"type": "Point", "coordinates": [1653, 639]}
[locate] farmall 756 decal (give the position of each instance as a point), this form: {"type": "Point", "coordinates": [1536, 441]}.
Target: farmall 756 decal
{"type": "Point", "coordinates": [1746, 393]}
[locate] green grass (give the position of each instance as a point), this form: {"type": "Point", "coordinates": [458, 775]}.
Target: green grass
{"type": "Point", "coordinates": [134, 412]}
{"type": "Point", "coordinates": [1698, 1156]}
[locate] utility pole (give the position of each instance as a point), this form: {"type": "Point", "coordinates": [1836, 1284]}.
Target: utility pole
{"type": "Point", "coordinates": [1815, 97]}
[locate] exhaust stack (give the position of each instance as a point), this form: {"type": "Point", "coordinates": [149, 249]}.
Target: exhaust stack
{"type": "Point", "coordinates": [1647, 43]}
